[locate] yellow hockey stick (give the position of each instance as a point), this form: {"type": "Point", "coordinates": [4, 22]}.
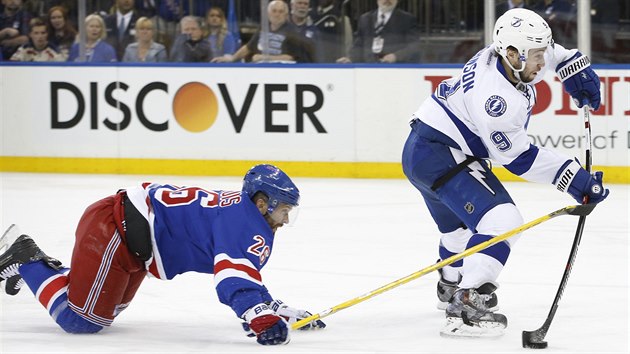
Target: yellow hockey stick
{"type": "Point", "coordinates": [579, 210]}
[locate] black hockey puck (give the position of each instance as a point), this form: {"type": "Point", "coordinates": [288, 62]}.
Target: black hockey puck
{"type": "Point", "coordinates": [533, 340]}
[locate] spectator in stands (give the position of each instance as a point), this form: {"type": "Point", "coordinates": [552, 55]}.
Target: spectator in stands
{"type": "Point", "coordinates": [285, 44]}
{"type": "Point", "coordinates": [221, 40]}
{"type": "Point", "coordinates": [301, 20]}
{"type": "Point", "coordinates": [385, 35]}
{"type": "Point", "coordinates": [334, 31]}
{"type": "Point", "coordinates": [38, 48]}
{"type": "Point", "coordinates": [40, 8]}
{"type": "Point", "coordinates": [169, 15]}
{"type": "Point", "coordinates": [502, 7]}
{"type": "Point", "coordinates": [61, 33]}
{"type": "Point", "coordinates": [121, 26]}
{"type": "Point", "coordinates": [96, 48]}
{"type": "Point", "coordinates": [144, 49]}
{"type": "Point", "coordinates": [13, 27]}
{"type": "Point", "coordinates": [191, 45]}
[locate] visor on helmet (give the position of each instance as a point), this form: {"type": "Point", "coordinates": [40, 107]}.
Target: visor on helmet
{"type": "Point", "coordinates": [284, 214]}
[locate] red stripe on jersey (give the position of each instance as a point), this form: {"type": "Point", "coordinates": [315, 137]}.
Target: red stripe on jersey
{"type": "Point", "coordinates": [51, 289]}
{"type": "Point", "coordinates": [153, 269]}
{"type": "Point", "coordinates": [225, 264]}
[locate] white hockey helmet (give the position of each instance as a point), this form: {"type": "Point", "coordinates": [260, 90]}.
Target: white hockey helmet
{"type": "Point", "coordinates": [522, 29]}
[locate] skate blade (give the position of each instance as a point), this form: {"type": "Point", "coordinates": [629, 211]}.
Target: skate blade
{"type": "Point", "coordinates": [455, 327]}
{"type": "Point", "coordinates": [8, 237]}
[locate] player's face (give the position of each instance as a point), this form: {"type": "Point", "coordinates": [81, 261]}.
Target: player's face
{"type": "Point", "coordinates": [279, 217]}
{"type": "Point", "coordinates": [535, 62]}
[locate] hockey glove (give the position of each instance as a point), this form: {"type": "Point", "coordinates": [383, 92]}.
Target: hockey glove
{"type": "Point", "coordinates": [269, 328]}
{"type": "Point", "coordinates": [580, 81]}
{"type": "Point", "coordinates": [576, 181]}
{"type": "Point", "coordinates": [292, 315]}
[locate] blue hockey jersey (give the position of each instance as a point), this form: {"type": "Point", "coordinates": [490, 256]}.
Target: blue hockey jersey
{"type": "Point", "coordinates": [207, 231]}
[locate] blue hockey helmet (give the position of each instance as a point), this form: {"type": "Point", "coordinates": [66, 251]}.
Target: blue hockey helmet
{"type": "Point", "coordinates": [274, 183]}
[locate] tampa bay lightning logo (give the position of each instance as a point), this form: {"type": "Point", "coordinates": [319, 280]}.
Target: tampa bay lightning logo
{"type": "Point", "coordinates": [496, 106]}
{"type": "Point", "coordinates": [516, 22]}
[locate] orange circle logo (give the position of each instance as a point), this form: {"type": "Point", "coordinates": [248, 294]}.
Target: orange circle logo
{"type": "Point", "coordinates": [195, 107]}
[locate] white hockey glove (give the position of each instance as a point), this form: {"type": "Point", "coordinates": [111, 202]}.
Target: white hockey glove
{"type": "Point", "coordinates": [292, 315]}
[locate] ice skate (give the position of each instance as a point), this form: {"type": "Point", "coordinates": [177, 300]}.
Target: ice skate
{"type": "Point", "coordinates": [468, 315]}
{"type": "Point", "coordinates": [22, 250]}
{"type": "Point", "coordinates": [446, 289]}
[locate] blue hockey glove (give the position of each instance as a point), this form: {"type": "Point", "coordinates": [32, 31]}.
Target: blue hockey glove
{"type": "Point", "coordinates": [576, 181]}
{"type": "Point", "coordinates": [292, 315]}
{"type": "Point", "coordinates": [270, 329]}
{"type": "Point", "coordinates": [580, 81]}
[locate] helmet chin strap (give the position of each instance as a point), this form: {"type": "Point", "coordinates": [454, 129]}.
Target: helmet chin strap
{"type": "Point", "coordinates": [517, 72]}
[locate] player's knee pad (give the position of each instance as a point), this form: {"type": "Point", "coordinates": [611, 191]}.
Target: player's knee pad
{"type": "Point", "coordinates": [501, 219]}
{"type": "Point", "coordinates": [71, 322]}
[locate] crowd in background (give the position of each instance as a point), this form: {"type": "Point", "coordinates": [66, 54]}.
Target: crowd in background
{"type": "Point", "coordinates": [302, 31]}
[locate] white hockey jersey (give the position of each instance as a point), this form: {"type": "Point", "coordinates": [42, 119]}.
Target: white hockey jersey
{"type": "Point", "coordinates": [486, 116]}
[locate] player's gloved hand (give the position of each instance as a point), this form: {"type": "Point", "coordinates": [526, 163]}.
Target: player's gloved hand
{"type": "Point", "coordinates": [580, 81]}
{"type": "Point", "coordinates": [270, 329]}
{"type": "Point", "coordinates": [576, 181]}
{"type": "Point", "coordinates": [292, 315]}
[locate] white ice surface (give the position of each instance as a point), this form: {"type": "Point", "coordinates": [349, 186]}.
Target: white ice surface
{"type": "Point", "coordinates": [351, 237]}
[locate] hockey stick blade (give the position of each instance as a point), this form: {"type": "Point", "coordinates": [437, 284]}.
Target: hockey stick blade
{"type": "Point", "coordinates": [578, 210]}
{"type": "Point", "coordinates": [534, 339]}
{"type": "Point", "coordinates": [582, 210]}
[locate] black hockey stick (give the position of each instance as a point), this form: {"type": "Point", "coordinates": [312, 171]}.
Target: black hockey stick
{"type": "Point", "coordinates": [535, 339]}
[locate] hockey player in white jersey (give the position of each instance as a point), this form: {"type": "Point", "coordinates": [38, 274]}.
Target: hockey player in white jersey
{"type": "Point", "coordinates": [484, 114]}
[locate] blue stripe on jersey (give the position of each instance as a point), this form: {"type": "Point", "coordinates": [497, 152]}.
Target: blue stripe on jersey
{"type": "Point", "coordinates": [524, 161]}
{"type": "Point", "coordinates": [444, 254]}
{"type": "Point", "coordinates": [473, 141]}
{"type": "Point", "coordinates": [500, 251]}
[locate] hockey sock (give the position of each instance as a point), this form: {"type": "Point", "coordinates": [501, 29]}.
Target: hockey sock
{"type": "Point", "coordinates": [50, 288]}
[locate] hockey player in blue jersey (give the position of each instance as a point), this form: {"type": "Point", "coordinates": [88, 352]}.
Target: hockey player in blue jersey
{"type": "Point", "coordinates": [484, 114]}
{"type": "Point", "coordinates": [164, 230]}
